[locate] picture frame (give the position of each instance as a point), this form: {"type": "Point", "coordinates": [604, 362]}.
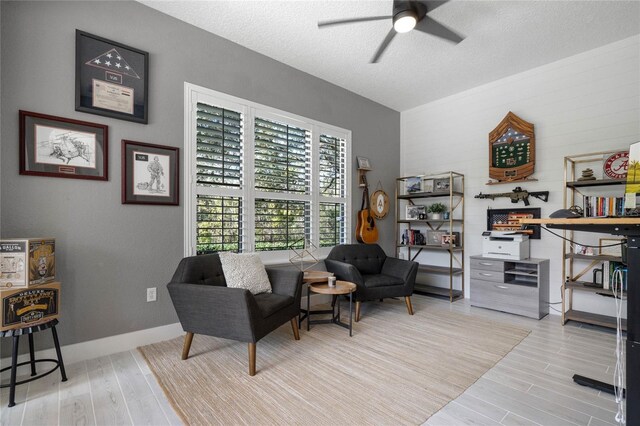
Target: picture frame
{"type": "Point", "coordinates": [145, 165]}
{"type": "Point", "coordinates": [615, 251]}
{"type": "Point", "coordinates": [499, 220]}
{"type": "Point", "coordinates": [413, 185]}
{"type": "Point", "coordinates": [112, 79]}
{"type": "Point", "coordinates": [413, 212]}
{"type": "Point", "coordinates": [441, 185]}
{"type": "Point", "coordinates": [434, 238]}
{"type": "Point", "coordinates": [444, 240]}
{"type": "Point", "coordinates": [62, 147]}
{"type": "Point", "coordinates": [427, 185]}
{"type": "Point", "coordinates": [363, 163]}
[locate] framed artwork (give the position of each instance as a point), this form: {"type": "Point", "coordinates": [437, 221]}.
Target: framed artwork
{"type": "Point", "coordinates": [363, 163]}
{"type": "Point", "coordinates": [509, 220]}
{"type": "Point", "coordinates": [612, 250]}
{"type": "Point", "coordinates": [150, 174]}
{"type": "Point", "coordinates": [414, 212]}
{"type": "Point", "coordinates": [427, 185]}
{"type": "Point", "coordinates": [441, 185]}
{"type": "Point", "coordinates": [446, 239]}
{"type": "Point", "coordinates": [62, 147]}
{"type": "Point", "coordinates": [413, 184]}
{"type": "Point", "coordinates": [512, 150]}
{"type": "Point", "coordinates": [111, 78]}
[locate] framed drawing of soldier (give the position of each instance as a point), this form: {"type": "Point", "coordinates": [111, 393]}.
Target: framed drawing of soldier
{"type": "Point", "coordinates": [111, 78]}
{"type": "Point", "coordinates": [150, 174]}
{"type": "Point", "coordinates": [512, 150]}
{"type": "Point", "coordinates": [61, 147]}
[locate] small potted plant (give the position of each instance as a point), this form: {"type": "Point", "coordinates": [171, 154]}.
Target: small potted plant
{"type": "Point", "coordinates": [436, 210]}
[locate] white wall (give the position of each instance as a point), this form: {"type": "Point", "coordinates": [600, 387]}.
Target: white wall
{"type": "Point", "coordinates": [585, 103]}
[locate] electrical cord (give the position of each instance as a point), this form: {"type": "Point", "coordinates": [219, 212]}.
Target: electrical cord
{"type": "Point", "coordinates": [618, 374]}
{"type": "Point", "coordinates": [583, 245]}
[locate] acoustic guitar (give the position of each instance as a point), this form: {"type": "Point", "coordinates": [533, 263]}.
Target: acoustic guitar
{"type": "Point", "coordinates": [366, 230]}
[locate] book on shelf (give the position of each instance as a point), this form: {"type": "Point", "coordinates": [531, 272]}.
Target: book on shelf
{"type": "Point", "coordinates": [603, 206]}
{"type": "Point", "coordinates": [609, 268]}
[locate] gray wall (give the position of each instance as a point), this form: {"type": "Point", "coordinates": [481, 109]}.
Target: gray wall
{"type": "Point", "coordinates": [109, 253]}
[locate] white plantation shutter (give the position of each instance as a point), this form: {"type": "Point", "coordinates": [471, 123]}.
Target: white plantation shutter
{"type": "Point", "coordinates": [332, 183]}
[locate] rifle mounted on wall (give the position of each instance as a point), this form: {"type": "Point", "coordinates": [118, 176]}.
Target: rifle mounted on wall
{"type": "Point", "coordinates": [518, 194]}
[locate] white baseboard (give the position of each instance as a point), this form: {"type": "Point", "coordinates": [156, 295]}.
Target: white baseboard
{"type": "Point", "coordinates": [105, 346]}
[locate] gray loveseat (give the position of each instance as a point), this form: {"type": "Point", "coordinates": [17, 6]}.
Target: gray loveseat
{"type": "Point", "coordinates": [205, 305]}
{"type": "Point", "coordinates": [376, 275]}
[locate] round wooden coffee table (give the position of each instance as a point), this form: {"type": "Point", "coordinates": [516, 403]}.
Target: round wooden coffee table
{"type": "Point", "coordinates": [341, 288]}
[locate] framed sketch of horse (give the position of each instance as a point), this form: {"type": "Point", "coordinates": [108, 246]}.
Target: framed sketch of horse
{"type": "Point", "coordinates": [512, 150]}
{"type": "Point", "coordinates": [62, 147]}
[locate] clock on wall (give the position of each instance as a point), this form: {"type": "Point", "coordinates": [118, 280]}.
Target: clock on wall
{"type": "Point", "coordinates": [380, 204]}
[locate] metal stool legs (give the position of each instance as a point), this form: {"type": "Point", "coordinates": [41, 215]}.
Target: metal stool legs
{"type": "Point", "coordinates": [59, 353]}
{"type": "Point", "coordinates": [32, 355]}
{"type": "Point", "coordinates": [14, 367]}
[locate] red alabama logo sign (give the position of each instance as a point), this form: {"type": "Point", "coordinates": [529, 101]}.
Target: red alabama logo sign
{"type": "Point", "coordinates": [615, 166]}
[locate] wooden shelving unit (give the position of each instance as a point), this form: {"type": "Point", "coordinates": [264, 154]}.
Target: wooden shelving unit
{"type": "Point", "coordinates": [453, 198]}
{"type": "Point", "coordinates": [576, 265]}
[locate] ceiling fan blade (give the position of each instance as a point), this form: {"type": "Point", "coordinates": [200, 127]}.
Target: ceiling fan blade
{"type": "Point", "coordinates": [433, 27]}
{"type": "Point", "coordinates": [392, 33]}
{"type": "Point", "coordinates": [351, 21]}
{"type": "Point", "coordinates": [432, 4]}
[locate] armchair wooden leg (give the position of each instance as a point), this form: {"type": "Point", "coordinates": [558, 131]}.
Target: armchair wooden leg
{"type": "Point", "coordinates": [252, 359]}
{"type": "Point", "coordinates": [357, 310]}
{"type": "Point", "coordinates": [294, 326]}
{"type": "Point", "coordinates": [187, 345]}
{"type": "Point", "coordinates": [407, 300]}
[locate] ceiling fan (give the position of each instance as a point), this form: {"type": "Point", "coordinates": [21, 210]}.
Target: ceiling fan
{"type": "Point", "coordinates": [407, 15]}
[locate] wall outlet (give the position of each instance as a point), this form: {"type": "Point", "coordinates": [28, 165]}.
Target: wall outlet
{"type": "Point", "coordinates": [151, 294]}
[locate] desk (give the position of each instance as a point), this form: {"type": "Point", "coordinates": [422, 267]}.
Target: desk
{"type": "Point", "coordinates": [630, 228]}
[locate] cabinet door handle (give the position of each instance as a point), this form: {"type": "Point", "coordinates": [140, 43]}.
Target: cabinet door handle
{"type": "Point", "coordinates": [486, 263]}
{"type": "Point", "coordinates": [504, 287]}
{"type": "Point", "coordinates": [484, 274]}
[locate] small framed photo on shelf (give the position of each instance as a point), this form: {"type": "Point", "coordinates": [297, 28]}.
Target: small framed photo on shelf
{"type": "Point", "coordinates": [363, 163]}
{"type": "Point", "coordinates": [150, 174]}
{"type": "Point", "coordinates": [608, 248]}
{"type": "Point", "coordinates": [427, 185]}
{"type": "Point", "coordinates": [441, 185]}
{"type": "Point", "coordinates": [415, 212]}
{"type": "Point", "coordinates": [61, 147]}
{"type": "Point", "coordinates": [413, 185]}
{"type": "Point", "coordinates": [446, 239]}
{"type": "Point", "coordinates": [112, 79]}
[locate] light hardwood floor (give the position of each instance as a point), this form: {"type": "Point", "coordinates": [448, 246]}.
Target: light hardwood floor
{"type": "Point", "coordinates": [531, 386]}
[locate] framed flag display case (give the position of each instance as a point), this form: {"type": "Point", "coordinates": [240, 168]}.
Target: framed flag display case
{"type": "Point", "coordinates": [512, 150]}
{"type": "Point", "coordinates": [111, 78]}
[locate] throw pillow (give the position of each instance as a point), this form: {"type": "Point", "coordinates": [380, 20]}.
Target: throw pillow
{"type": "Point", "coordinates": [245, 271]}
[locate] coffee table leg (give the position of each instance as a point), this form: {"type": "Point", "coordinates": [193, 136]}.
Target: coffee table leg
{"type": "Point", "coordinates": [350, 316]}
{"type": "Point", "coordinates": [308, 307]}
{"type": "Point", "coordinates": [338, 302]}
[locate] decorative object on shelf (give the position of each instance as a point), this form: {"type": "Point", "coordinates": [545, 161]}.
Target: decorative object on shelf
{"type": "Point", "coordinates": [23, 307]}
{"type": "Point", "coordinates": [436, 210]}
{"type": "Point", "coordinates": [615, 165]}
{"type": "Point", "coordinates": [422, 216]}
{"type": "Point", "coordinates": [27, 262]}
{"type": "Point", "coordinates": [304, 258]}
{"type": "Point", "coordinates": [427, 185]}
{"type": "Point", "coordinates": [587, 174]}
{"type": "Point", "coordinates": [518, 194]}
{"type": "Point", "coordinates": [366, 229]}
{"type": "Point", "coordinates": [414, 212]}
{"type": "Point", "coordinates": [413, 185]}
{"type": "Point", "coordinates": [441, 185]}
{"type": "Point", "coordinates": [150, 174]}
{"type": "Point", "coordinates": [448, 239]}
{"type": "Point", "coordinates": [446, 215]}
{"type": "Point", "coordinates": [363, 163]}
{"type": "Point", "coordinates": [111, 78]}
{"type": "Point", "coordinates": [610, 246]}
{"type": "Point", "coordinates": [512, 150]}
{"type": "Point", "coordinates": [509, 220]}
{"type": "Point", "coordinates": [632, 189]}
{"type": "Point", "coordinates": [62, 147]}
{"type": "Point", "coordinates": [380, 202]}
{"type": "Point", "coordinates": [434, 238]}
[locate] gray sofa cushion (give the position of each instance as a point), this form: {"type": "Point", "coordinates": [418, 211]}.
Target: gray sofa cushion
{"type": "Point", "coordinates": [381, 280]}
{"type": "Point", "coordinates": [368, 259]}
{"type": "Point", "coordinates": [269, 303]}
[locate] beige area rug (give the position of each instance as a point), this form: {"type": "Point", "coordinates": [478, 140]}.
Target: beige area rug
{"type": "Point", "coordinates": [396, 369]}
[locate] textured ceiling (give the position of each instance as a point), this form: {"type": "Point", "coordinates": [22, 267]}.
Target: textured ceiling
{"type": "Point", "coordinates": [502, 38]}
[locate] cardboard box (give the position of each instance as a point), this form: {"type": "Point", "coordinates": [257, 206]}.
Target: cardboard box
{"type": "Point", "coordinates": [27, 262]}
{"type": "Point", "coordinates": [24, 307]}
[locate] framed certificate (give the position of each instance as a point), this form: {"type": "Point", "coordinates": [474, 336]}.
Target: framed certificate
{"type": "Point", "coordinates": [111, 78]}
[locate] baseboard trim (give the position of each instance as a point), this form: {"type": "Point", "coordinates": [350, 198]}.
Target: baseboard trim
{"type": "Point", "coordinates": [106, 346]}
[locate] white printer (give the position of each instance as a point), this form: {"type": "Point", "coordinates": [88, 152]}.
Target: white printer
{"type": "Point", "coordinates": [505, 245]}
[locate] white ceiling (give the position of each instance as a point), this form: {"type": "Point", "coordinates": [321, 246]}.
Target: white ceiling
{"type": "Point", "coordinates": [502, 38]}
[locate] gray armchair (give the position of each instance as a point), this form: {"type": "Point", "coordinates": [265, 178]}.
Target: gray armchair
{"type": "Point", "coordinates": [205, 305]}
{"type": "Point", "coordinates": [375, 275]}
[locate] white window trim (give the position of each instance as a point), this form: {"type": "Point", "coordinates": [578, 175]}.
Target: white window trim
{"type": "Point", "coordinates": [194, 94]}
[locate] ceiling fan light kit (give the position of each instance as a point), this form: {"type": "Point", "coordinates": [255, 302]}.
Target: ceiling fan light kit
{"type": "Point", "coordinates": [407, 15]}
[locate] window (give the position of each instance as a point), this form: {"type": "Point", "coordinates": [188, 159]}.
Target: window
{"type": "Point", "coordinates": [259, 179]}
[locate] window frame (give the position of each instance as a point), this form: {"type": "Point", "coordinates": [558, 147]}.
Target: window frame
{"type": "Point", "coordinates": [250, 110]}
